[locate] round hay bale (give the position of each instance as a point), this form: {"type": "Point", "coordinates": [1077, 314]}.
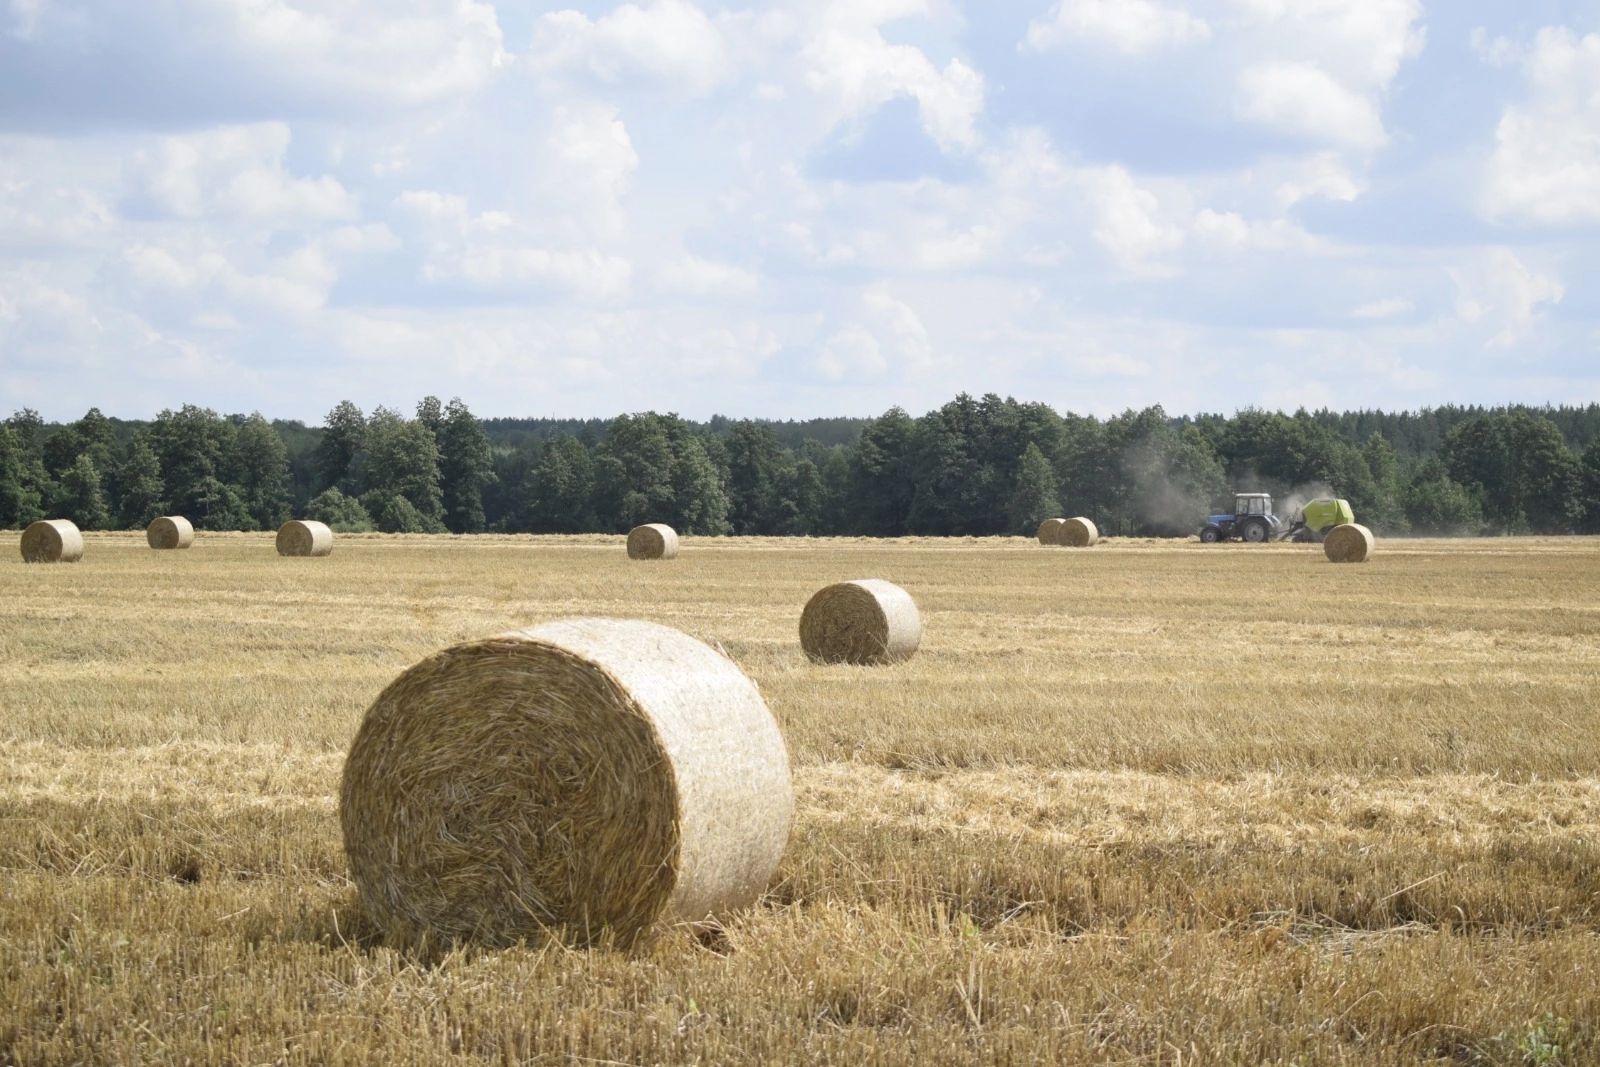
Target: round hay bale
{"type": "Point", "coordinates": [653, 540]}
{"type": "Point", "coordinates": [303, 537]}
{"type": "Point", "coordinates": [170, 531]}
{"type": "Point", "coordinates": [1050, 531]}
{"type": "Point", "coordinates": [868, 621]}
{"type": "Point", "coordinates": [1350, 543]}
{"type": "Point", "coordinates": [52, 541]}
{"type": "Point", "coordinates": [1077, 532]}
{"type": "Point", "coordinates": [587, 778]}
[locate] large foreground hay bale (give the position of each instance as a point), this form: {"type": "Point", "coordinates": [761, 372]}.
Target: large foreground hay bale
{"type": "Point", "coordinates": [867, 621]}
{"type": "Point", "coordinates": [1077, 532]}
{"type": "Point", "coordinates": [653, 540]}
{"type": "Point", "coordinates": [1050, 531]}
{"type": "Point", "coordinates": [170, 531]}
{"type": "Point", "coordinates": [588, 778]}
{"type": "Point", "coordinates": [304, 537]}
{"type": "Point", "coordinates": [52, 541]}
{"type": "Point", "coordinates": [1350, 543]}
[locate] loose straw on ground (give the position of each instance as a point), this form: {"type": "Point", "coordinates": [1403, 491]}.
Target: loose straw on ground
{"type": "Point", "coordinates": [868, 621]}
{"type": "Point", "coordinates": [1350, 543]}
{"type": "Point", "coordinates": [653, 540]}
{"type": "Point", "coordinates": [52, 541]}
{"type": "Point", "coordinates": [1050, 530]}
{"type": "Point", "coordinates": [299, 537]}
{"type": "Point", "coordinates": [170, 531]}
{"type": "Point", "coordinates": [1077, 532]}
{"type": "Point", "coordinates": [588, 778]}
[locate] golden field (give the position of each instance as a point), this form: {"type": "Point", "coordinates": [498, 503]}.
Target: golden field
{"type": "Point", "coordinates": [1150, 802]}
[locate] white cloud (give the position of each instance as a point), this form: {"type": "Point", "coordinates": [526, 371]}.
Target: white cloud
{"type": "Point", "coordinates": [1546, 162]}
{"type": "Point", "coordinates": [1389, 308]}
{"type": "Point", "coordinates": [1304, 99]}
{"type": "Point", "coordinates": [1130, 221]}
{"type": "Point", "coordinates": [1501, 296]}
{"type": "Point", "coordinates": [1320, 69]}
{"type": "Point", "coordinates": [888, 337]}
{"type": "Point", "coordinates": [671, 42]}
{"type": "Point", "coordinates": [695, 276]}
{"type": "Point", "coordinates": [236, 171]}
{"type": "Point", "coordinates": [848, 62]}
{"type": "Point", "coordinates": [1134, 27]}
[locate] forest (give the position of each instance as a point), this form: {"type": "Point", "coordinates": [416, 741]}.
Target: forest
{"type": "Point", "coordinates": [976, 466]}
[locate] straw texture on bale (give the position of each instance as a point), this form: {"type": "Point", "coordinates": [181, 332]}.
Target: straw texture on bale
{"type": "Point", "coordinates": [1350, 543]}
{"type": "Point", "coordinates": [653, 540]}
{"type": "Point", "coordinates": [1050, 531]}
{"type": "Point", "coordinates": [588, 778]}
{"type": "Point", "coordinates": [52, 541]}
{"type": "Point", "coordinates": [170, 531]}
{"type": "Point", "coordinates": [868, 621]}
{"type": "Point", "coordinates": [299, 537]}
{"type": "Point", "coordinates": [1077, 533]}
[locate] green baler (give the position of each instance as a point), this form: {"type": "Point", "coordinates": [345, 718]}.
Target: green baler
{"type": "Point", "coordinates": [1317, 518]}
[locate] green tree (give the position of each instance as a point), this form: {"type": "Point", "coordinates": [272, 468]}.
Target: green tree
{"type": "Point", "coordinates": [19, 500]}
{"type": "Point", "coordinates": [633, 473]}
{"type": "Point", "coordinates": [338, 456]}
{"type": "Point", "coordinates": [396, 514]}
{"type": "Point", "coordinates": [79, 496]}
{"type": "Point", "coordinates": [1591, 487]}
{"type": "Point", "coordinates": [402, 460]}
{"type": "Point", "coordinates": [879, 494]}
{"type": "Point", "coordinates": [559, 489]}
{"type": "Point", "coordinates": [1034, 498]}
{"type": "Point", "coordinates": [761, 481]}
{"type": "Point", "coordinates": [141, 496]}
{"type": "Point", "coordinates": [341, 513]}
{"type": "Point", "coordinates": [466, 466]}
{"type": "Point", "coordinates": [1519, 465]}
{"type": "Point", "coordinates": [259, 472]}
{"type": "Point", "coordinates": [1438, 506]}
{"type": "Point", "coordinates": [193, 446]}
{"type": "Point", "coordinates": [701, 503]}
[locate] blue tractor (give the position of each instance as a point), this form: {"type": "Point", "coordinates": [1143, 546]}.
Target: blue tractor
{"type": "Point", "coordinates": [1252, 520]}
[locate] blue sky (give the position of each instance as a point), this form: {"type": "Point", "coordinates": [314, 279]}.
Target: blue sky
{"type": "Point", "coordinates": [797, 208]}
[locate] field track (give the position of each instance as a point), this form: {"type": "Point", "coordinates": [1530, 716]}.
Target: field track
{"type": "Point", "coordinates": [1150, 802]}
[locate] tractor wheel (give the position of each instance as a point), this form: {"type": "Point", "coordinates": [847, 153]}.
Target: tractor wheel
{"type": "Point", "coordinates": [1254, 531]}
{"type": "Point", "coordinates": [1210, 535]}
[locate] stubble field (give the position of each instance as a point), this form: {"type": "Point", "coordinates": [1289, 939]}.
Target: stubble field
{"type": "Point", "coordinates": [1145, 803]}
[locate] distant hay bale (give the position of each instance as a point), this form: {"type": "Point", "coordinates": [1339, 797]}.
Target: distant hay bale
{"type": "Point", "coordinates": [52, 541]}
{"type": "Point", "coordinates": [1350, 543]}
{"type": "Point", "coordinates": [1077, 533]}
{"type": "Point", "coordinates": [587, 778]}
{"type": "Point", "coordinates": [1050, 531]}
{"type": "Point", "coordinates": [653, 540]}
{"type": "Point", "coordinates": [304, 537]}
{"type": "Point", "coordinates": [868, 621]}
{"type": "Point", "coordinates": [170, 531]}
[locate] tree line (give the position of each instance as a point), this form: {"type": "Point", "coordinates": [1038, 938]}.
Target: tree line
{"type": "Point", "coordinates": [975, 466]}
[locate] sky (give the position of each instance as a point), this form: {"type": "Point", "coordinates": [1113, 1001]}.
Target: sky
{"type": "Point", "coordinates": [798, 208]}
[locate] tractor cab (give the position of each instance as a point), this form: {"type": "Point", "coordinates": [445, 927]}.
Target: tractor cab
{"type": "Point", "coordinates": [1252, 520]}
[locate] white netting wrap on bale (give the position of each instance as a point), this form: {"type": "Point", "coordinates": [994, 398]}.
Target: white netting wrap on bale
{"type": "Point", "coordinates": [304, 537]}
{"type": "Point", "coordinates": [169, 532]}
{"type": "Point", "coordinates": [589, 779]}
{"type": "Point", "coordinates": [653, 540]}
{"type": "Point", "coordinates": [1350, 543]}
{"type": "Point", "coordinates": [1050, 531]}
{"type": "Point", "coordinates": [52, 541]}
{"type": "Point", "coordinates": [1077, 532]}
{"type": "Point", "coordinates": [868, 621]}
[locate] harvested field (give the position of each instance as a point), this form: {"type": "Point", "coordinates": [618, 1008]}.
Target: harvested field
{"type": "Point", "coordinates": [1155, 803]}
